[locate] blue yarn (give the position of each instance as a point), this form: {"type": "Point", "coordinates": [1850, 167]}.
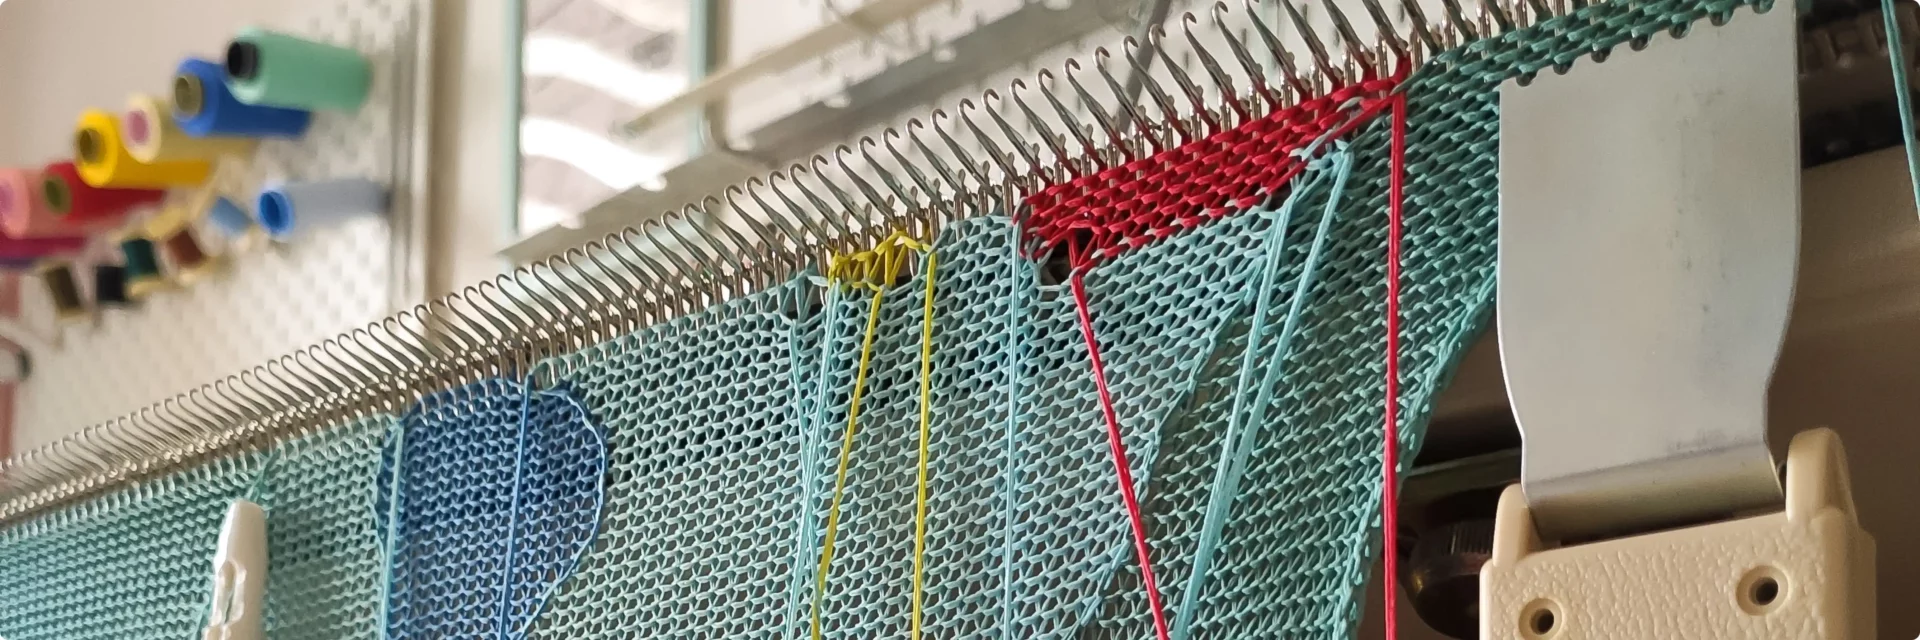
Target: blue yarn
{"type": "Point", "coordinates": [1143, 475]}
{"type": "Point", "coordinates": [599, 508]}
{"type": "Point", "coordinates": [452, 417]}
{"type": "Point", "coordinates": [805, 535]}
{"type": "Point", "coordinates": [260, 476]}
{"type": "Point", "coordinates": [1241, 435]}
{"type": "Point", "coordinates": [1274, 246]}
{"type": "Point", "coordinates": [398, 433]}
{"type": "Point", "coordinates": [1903, 95]}
{"type": "Point", "coordinates": [513, 505]}
{"type": "Point", "coordinates": [797, 306]}
{"type": "Point", "coordinates": [1011, 487]}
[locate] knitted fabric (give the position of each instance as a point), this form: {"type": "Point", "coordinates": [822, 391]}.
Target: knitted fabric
{"type": "Point", "coordinates": [724, 429]}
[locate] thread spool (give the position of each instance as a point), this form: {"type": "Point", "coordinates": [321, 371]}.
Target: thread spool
{"type": "Point", "coordinates": [101, 154]}
{"type": "Point", "coordinates": [153, 136]}
{"type": "Point", "coordinates": [110, 286]}
{"type": "Point", "coordinates": [203, 106]}
{"type": "Point", "coordinates": [189, 260]}
{"type": "Point", "coordinates": [30, 249]}
{"type": "Point", "coordinates": [143, 267]}
{"type": "Point", "coordinates": [275, 69]}
{"type": "Point", "coordinates": [163, 223]}
{"type": "Point", "coordinates": [63, 290]}
{"type": "Point", "coordinates": [290, 210]}
{"type": "Point", "coordinates": [227, 216]}
{"type": "Point", "coordinates": [24, 212]}
{"type": "Point", "coordinates": [84, 206]}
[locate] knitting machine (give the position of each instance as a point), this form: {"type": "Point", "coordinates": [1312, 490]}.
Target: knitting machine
{"type": "Point", "coordinates": [1147, 362]}
{"type": "Point", "coordinates": [1651, 241]}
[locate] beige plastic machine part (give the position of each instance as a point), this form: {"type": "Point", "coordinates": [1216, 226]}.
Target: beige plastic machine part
{"type": "Point", "coordinates": [1805, 572]}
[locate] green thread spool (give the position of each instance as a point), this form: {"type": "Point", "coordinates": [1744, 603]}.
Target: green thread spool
{"type": "Point", "coordinates": [278, 70]}
{"type": "Point", "coordinates": [143, 266]}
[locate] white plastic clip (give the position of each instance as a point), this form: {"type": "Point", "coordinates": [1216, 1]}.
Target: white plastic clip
{"type": "Point", "coordinates": [239, 575]}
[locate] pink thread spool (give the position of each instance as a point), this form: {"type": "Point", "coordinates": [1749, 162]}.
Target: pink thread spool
{"type": "Point", "coordinates": [24, 212]}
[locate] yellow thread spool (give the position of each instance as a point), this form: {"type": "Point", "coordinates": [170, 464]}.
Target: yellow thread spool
{"type": "Point", "coordinates": [103, 161]}
{"type": "Point", "coordinates": [151, 135]}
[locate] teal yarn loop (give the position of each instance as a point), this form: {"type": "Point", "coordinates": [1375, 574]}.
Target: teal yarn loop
{"type": "Point", "coordinates": [1903, 95]}
{"type": "Point", "coordinates": [1242, 433]}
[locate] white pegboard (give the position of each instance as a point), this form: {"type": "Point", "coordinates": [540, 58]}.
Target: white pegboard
{"type": "Point", "coordinates": [265, 300]}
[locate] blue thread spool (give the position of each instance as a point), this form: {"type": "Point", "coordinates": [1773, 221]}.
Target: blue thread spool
{"type": "Point", "coordinates": [297, 208]}
{"type": "Point", "coordinates": [204, 107]}
{"type": "Point", "coordinates": [142, 267]}
{"type": "Point", "coordinates": [229, 218]}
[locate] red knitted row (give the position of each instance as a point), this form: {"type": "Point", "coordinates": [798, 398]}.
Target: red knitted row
{"type": "Point", "coordinates": [1130, 205]}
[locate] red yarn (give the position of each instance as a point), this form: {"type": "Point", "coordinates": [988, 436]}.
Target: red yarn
{"type": "Point", "coordinates": [1128, 206]}
{"type": "Point", "coordinates": [1133, 204]}
{"type": "Point", "coordinates": [1390, 457]}
{"type": "Point", "coordinates": [1143, 552]}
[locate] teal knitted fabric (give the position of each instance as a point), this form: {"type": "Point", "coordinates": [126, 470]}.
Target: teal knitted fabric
{"type": "Point", "coordinates": [724, 430]}
{"type": "Point", "coordinates": [138, 563]}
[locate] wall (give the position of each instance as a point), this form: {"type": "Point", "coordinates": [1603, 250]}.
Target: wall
{"type": "Point", "coordinates": [148, 36]}
{"type": "Point", "coordinates": [471, 84]}
{"type": "Point", "coordinates": [42, 62]}
{"type": "Point", "coordinates": [473, 128]}
{"type": "Point", "coordinates": [52, 80]}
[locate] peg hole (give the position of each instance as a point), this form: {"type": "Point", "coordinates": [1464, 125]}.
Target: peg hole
{"type": "Point", "coordinates": [1762, 590]}
{"type": "Point", "coordinates": [1540, 620]}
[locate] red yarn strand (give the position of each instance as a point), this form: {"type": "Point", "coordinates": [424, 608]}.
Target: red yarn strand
{"type": "Point", "coordinates": [1124, 471]}
{"type": "Point", "coordinates": [1389, 494]}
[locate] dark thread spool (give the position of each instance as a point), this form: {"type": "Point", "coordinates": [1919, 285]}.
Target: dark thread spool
{"type": "Point", "coordinates": [185, 252]}
{"type": "Point", "coordinates": [110, 285]}
{"type": "Point", "coordinates": [63, 290]}
{"type": "Point", "coordinates": [143, 266]}
{"type": "Point", "coordinates": [243, 61]}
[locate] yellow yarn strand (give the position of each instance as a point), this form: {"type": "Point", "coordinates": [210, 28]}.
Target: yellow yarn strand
{"type": "Point", "coordinates": [926, 433]}
{"type": "Point", "coordinates": [846, 454]}
{"type": "Point", "coordinates": [873, 270]}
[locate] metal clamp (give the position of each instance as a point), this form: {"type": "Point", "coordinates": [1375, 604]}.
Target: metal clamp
{"type": "Point", "coordinates": [1649, 232]}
